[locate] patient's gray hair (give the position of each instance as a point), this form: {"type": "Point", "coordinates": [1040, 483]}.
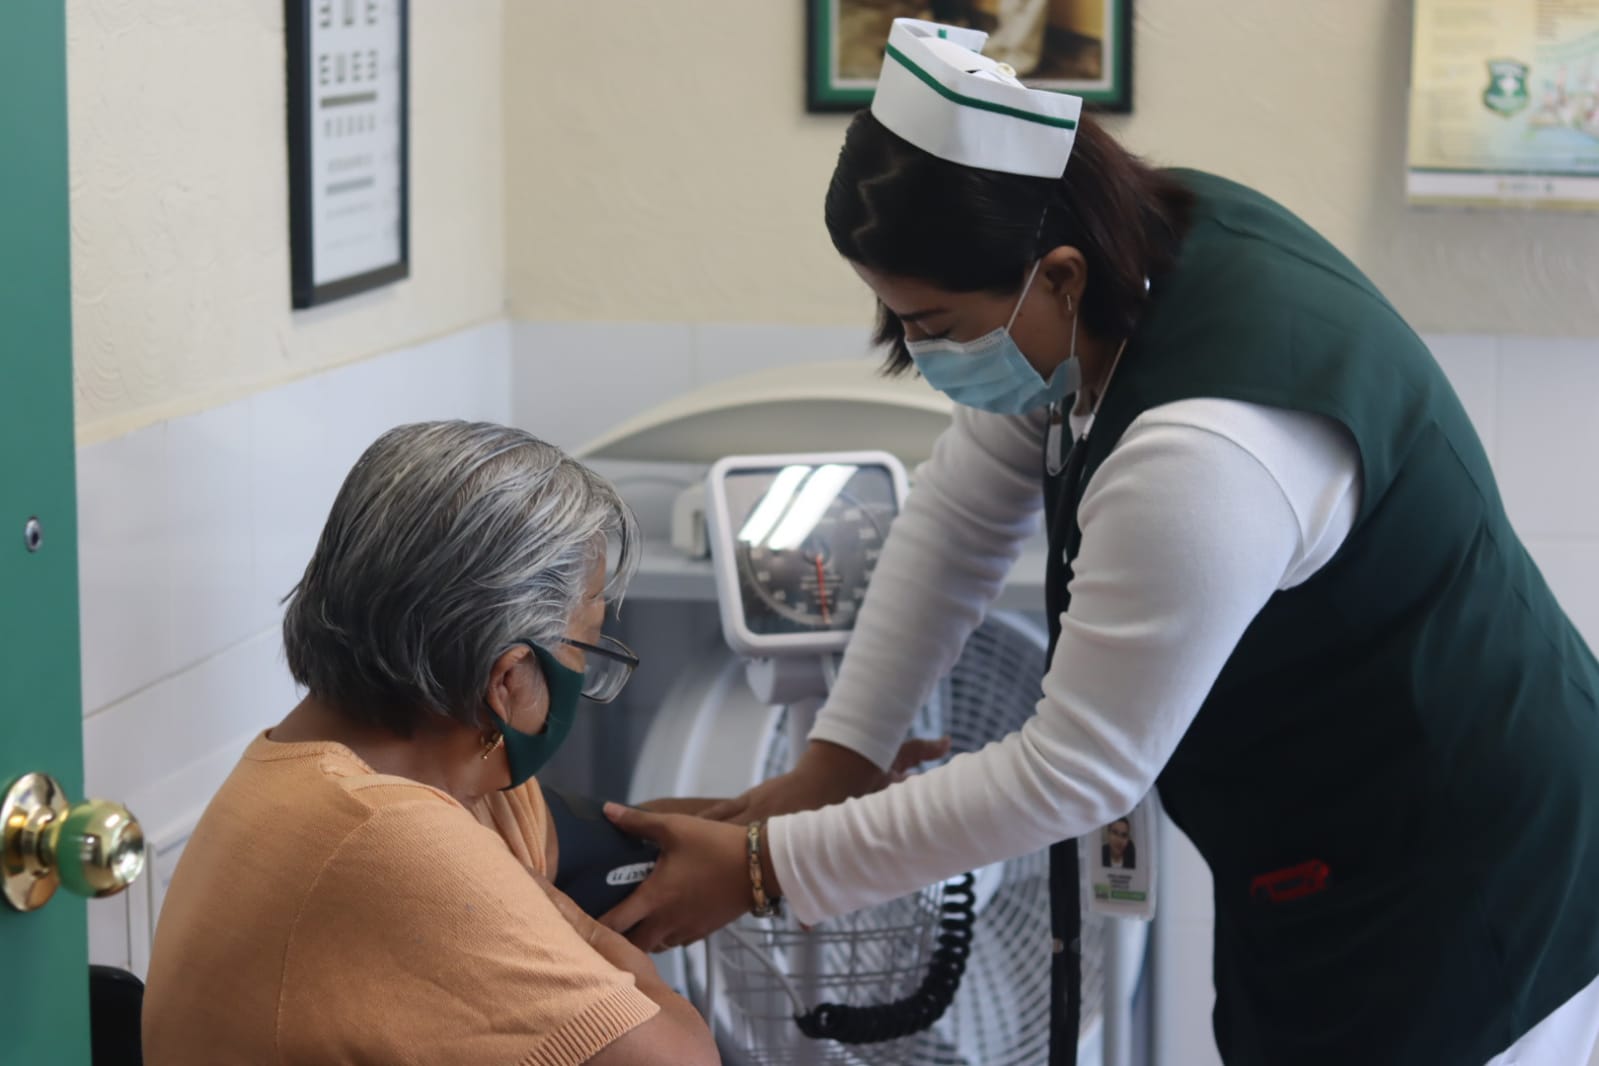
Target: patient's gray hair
{"type": "Point", "coordinates": [448, 543]}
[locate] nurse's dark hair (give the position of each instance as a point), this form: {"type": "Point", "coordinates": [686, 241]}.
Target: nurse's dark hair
{"type": "Point", "coordinates": [896, 209]}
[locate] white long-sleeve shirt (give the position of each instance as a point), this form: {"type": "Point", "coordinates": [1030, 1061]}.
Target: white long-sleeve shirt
{"type": "Point", "coordinates": [1200, 512]}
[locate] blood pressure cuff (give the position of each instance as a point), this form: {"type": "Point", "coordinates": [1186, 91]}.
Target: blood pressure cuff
{"type": "Point", "coordinates": [599, 865]}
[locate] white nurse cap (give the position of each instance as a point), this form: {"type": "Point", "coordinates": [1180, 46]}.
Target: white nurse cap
{"type": "Point", "coordinates": [940, 94]}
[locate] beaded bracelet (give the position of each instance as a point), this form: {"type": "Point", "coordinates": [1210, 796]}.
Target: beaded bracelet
{"type": "Point", "coordinates": [764, 906]}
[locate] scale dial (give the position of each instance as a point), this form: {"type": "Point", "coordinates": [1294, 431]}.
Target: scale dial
{"type": "Point", "coordinates": [797, 541]}
{"type": "Point", "coordinates": [821, 583]}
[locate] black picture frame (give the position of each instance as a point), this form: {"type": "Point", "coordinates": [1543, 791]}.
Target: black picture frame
{"type": "Point", "coordinates": [303, 105]}
{"type": "Point", "coordinates": [826, 92]}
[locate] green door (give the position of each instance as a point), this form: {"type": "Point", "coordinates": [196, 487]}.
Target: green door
{"type": "Point", "coordinates": [44, 953]}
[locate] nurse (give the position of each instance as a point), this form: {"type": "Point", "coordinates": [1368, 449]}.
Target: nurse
{"type": "Point", "coordinates": [1282, 589]}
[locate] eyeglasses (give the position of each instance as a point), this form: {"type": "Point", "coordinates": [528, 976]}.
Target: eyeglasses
{"type": "Point", "coordinates": [606, 667]}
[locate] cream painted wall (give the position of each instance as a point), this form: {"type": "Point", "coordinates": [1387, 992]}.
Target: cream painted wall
{"type": "Point", "coordinates": [660, 165]}
{"type": "Point", "coordinates": [180, 255]}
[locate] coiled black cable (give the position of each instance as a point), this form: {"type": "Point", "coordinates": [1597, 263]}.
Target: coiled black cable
{"type": "Point", "coordinates": [921, 1009]}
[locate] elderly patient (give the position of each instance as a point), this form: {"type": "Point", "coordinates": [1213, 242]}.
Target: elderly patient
{"type": "Point", "coordinates": [369, 886]}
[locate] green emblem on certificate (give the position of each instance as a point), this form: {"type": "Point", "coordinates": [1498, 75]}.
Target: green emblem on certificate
{"type": "Point", "coordinates": [1507, 87]}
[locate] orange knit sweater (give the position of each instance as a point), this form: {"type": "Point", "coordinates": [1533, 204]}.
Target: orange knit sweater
{"type": "Point", "coordinates": [323, 913]}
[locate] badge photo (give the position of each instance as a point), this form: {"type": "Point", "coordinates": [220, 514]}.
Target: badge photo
{"type": "Point", "coordinates": [1118, 863]}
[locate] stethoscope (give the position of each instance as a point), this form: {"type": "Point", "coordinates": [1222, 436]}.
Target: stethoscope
{"type": "Point", "coordinates": [1055, 455]}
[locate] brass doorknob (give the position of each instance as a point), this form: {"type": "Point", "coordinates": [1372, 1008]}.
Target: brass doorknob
{"type": "Point", "coordinates": [94, 848]}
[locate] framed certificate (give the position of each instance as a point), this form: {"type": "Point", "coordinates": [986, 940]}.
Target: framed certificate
{"type": "Point", "coordinates": [1504, 103]}
{"type": "Point", "coordinates": [348, 162]}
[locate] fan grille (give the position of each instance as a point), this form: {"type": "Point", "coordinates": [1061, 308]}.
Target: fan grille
{"type": "Point", "coordinates": [1001, 1015]}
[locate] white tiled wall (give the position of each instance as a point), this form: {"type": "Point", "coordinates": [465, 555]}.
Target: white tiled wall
{"type": "Point", "coordinates": [191, 531]}
{"type": "Point", "coordinates": [1546, 455]}
{"type": "Point", "coordinates": [194, 529]}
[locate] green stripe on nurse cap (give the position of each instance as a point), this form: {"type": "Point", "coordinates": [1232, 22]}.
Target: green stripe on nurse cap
{"type": "Point", "coordinates": [941, 94]}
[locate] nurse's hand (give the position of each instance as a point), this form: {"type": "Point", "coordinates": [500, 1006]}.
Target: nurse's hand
{"type": "Point", "coordinates": [825, 774]}
{"type": "Point", "coordinates": [700, 883]}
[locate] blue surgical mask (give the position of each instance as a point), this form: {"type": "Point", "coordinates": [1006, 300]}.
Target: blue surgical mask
{"type": "Point", "coordinates": [528, 752]}
{"type": "Point", "coordinates": [991, 373]}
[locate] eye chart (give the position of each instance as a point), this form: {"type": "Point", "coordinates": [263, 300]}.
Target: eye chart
{"type": "Point", "coordinates": [347, 146]}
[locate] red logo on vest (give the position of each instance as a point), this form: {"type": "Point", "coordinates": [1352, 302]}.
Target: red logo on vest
{"type": "Point", "coordinates": [1293, 882]}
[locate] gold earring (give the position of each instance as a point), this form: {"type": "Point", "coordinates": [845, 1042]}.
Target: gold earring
{"type": "Point", "coordinates": [491, 746]}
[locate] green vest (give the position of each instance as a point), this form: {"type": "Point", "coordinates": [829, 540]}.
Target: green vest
{"type": "Point", "coordinates": [1414, 729]}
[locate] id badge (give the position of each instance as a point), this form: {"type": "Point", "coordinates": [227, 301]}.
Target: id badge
{"type": "Point", "coordinates": [1118, 863]}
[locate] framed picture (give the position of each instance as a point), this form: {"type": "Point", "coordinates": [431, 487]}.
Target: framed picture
{"type": "Point", "coordinates": [1083, 47]}
{"type": "Point", "coordinates": [349, 202]}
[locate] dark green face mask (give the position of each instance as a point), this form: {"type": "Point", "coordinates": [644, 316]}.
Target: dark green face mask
{"type": "Point", "coordinates": [528, 752]}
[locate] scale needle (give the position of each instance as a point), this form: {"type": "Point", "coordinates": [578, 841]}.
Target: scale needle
{"type": "Point", "coordinates": [821, 591]}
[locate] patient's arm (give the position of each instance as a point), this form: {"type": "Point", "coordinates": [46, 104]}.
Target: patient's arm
{"type": "Point", "coordinates": [677, 1035]}
{"type": "Point", "coordinates": [659, 1042]}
